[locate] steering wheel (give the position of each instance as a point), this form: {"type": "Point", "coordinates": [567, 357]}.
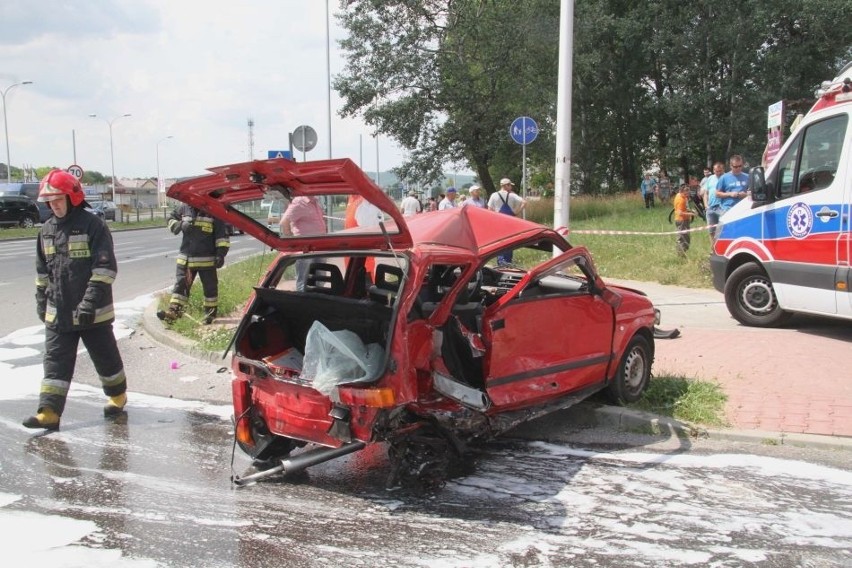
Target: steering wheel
{"type": "Point", "coordinates": [474, 287]}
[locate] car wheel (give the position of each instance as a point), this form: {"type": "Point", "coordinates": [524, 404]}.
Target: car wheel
{"type": "Point", "coordinates": [634, 373]}
{"type": "Point", "coordinates": [751, 299]}
{"type": "Point", "coordinates": [27, 223]}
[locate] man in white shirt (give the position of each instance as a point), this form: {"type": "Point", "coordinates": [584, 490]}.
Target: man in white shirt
{"type": "Point", "coordinates": [410, 206]}
{"type": "Point", "coordinates": [448, 202]}
{"type": "Point", "coordinates": [505, 200]}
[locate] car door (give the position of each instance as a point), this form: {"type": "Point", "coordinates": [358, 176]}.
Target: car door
{"type": "Point", "coordinates": [550, 335]}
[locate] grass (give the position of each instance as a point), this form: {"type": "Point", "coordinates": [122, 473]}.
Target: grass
{"type": "Point", "coordinates": [687, 400]}
{"type": "Point", "coordinates": [648, 258]}
{"type": "Point", "coordinates": [235, 284]}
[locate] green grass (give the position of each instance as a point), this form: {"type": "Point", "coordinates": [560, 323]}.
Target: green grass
{"type": "Point", "coordinates": [648, 258]}
{"type": "Point", "coordinates": [236, 282]}
{"type": "Point", "coordinates": [687, 400]}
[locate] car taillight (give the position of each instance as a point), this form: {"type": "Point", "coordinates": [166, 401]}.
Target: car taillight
{"type": "Point", "coordinates": [373, 397]}
{"type": "Point", "coordinates": [241, 394]}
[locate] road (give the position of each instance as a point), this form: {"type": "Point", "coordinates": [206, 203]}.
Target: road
{"type": "Point", "coordinates": [153, 489]}
{"type": "Point", "coordinates": [146, 263]}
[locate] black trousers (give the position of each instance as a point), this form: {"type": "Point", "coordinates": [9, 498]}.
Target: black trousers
{"type": "Point", "coordinates": [183, 283]}
{"type": "Point", "coordinates": [60, 357]}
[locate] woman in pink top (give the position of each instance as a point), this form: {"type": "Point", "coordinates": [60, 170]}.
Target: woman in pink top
{"type": "Point", "coordinates": [303, 217]}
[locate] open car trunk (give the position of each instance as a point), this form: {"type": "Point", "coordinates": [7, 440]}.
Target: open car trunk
{"type": "Point", "coordinates": [300, 349]}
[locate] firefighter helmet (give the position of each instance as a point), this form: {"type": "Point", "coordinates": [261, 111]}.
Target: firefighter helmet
{"type": "Point", "coordinates": [58, 183]}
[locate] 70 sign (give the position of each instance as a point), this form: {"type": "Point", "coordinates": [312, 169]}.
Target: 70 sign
{"type": "Point", "coordinates": [75, 171]}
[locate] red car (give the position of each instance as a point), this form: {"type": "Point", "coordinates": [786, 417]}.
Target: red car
{"type": "Point", "coordinates": [408, 330]}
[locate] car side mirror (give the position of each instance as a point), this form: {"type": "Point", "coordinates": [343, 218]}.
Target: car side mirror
{"type": "Point", "coordinates": [760, 194]}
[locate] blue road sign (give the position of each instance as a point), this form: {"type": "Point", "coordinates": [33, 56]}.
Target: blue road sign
{"type": "Point", "coordinates": [272, 154]}
{"type": "Point", "coordinates": [523, 130]}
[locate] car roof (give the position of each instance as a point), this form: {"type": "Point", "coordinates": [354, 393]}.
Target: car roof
{"type": "Point", "coordinates": [476, 230]}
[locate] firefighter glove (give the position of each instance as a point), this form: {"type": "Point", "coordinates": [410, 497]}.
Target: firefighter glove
{"type": "Point", "coordinates": [85, 313]}
{"type": "Point", "coordinates": [220, 261]}
{"type": "Point", "coordinates": [41, 303]}
{"type": "Point", "coordinates": [185, 225]}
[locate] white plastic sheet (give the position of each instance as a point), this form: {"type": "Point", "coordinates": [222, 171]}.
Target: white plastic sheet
{"type": "Point", "coordinates": [338, 357]}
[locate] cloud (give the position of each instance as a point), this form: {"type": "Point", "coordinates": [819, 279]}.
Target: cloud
{"type": "Point", "coordinates": [195, 70]}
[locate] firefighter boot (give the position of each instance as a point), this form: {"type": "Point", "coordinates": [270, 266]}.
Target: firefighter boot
{"type": "Point", "coordinates": [45, 418]}
{"type": "Point", "coordinates": [210, 315]}
{"type": "Point", "coordinates": [115, 405]}
{"type": "Point", "coordinates": [171, 315]}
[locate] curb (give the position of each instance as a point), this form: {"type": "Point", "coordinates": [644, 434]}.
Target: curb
{"type": "Point", "coordinates": [584, 415]}
{"type": "Point", "coordinates": [157, 331]}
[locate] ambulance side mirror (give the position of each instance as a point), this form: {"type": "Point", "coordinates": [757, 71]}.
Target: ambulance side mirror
{"type": "Point", "coordinates": [760, 194]}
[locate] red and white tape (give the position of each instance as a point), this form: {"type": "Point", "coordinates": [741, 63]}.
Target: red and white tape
{"type": "Point", "coordinates": [564, 231]}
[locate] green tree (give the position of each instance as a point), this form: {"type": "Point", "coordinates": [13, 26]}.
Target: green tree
{"type": "Point", "coordinates": [656, 82]}
{"type": "Point", "coordinates": [445, 78]}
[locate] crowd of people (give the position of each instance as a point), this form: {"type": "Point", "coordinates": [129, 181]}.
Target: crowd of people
{"type": "Point", "coordinates": [713, 195]}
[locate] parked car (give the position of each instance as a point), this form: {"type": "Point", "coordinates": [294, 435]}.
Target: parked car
{"type": "Point", "coordinates": [18, 211]}
{"type": "Point", "coordinates": [408, 330]}
{"type": "Point", "coordinates": [106, 208]}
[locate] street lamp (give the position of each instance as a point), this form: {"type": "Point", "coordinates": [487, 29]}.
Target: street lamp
{"type": "Point", "coordinates": [6, 128]}
{"type": "Point", "coordinates": [111, 152]}
{"type": "Point", "coordinates": [169, 137]}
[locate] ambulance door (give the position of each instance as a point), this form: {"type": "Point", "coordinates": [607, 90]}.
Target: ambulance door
{"type": "Point", "coordinates": [843, 280]}
{"type": "Point", "coordinates": [803, 228]}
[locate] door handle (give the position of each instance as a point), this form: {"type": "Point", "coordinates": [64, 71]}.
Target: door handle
{"type": "Point", "coordinates": [826, 212]}
{"type": "Point", "coordinates": [498, 324]}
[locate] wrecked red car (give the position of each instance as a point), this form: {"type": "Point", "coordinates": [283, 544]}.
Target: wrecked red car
{"type": "Point", "coordinates": [417, 332]}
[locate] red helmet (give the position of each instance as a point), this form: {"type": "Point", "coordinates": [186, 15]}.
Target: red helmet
{"type": "Point", "coordinates": [58, 183]}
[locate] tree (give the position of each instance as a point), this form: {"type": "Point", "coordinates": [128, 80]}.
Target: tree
{"type": "Point", "coordinates": [656, 82]}
{"type": "Point", "coordinates": [445, 78]}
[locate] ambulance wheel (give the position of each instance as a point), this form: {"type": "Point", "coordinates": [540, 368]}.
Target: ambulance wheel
{"type": "Point", "coordinates": [751, 298]}
{"type": "Point", "coordinates": [634, 373]}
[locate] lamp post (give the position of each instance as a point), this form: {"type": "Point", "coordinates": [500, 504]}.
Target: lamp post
{"type": "Point", "coordinates": [169, 137]}
{"type": "Point", "coordinates": [6, 128]}
{"type": "Point", "coordinates": [111, 152]}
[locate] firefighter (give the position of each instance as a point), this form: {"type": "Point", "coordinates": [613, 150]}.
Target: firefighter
{"type": "Point", "coordinates": [75, 269]}
{"type": "Point", "coordinates": [202, 251]}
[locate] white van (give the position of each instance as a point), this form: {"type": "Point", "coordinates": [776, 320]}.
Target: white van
{"type": "Point", "coordinates": [788, 248]}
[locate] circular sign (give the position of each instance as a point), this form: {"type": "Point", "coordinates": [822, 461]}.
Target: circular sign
{"type": "Point", "coordinates": [304, 138]}
{"type": "Point", "coordinates": [800, 220]}
{"type": "Point", "coordinates": [523, 130]}
{"type": "Point", "coordinates": [75, 171]}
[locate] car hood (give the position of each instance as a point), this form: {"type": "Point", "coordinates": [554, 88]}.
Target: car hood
{"type": "Point", "coordinates": [357, 213]}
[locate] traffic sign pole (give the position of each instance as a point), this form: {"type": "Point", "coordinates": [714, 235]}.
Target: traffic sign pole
{"type": "Point", "coordinates": [523, 131]}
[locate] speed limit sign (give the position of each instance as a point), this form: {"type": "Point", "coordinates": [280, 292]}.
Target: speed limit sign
{"type": "Point", "coordinates": [75, 171]}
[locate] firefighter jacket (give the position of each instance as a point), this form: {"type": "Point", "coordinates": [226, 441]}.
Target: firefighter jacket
{"type": "Point", "coordinates": [75, 267]}
{"type": "Point", "coordinates": [205, 239]}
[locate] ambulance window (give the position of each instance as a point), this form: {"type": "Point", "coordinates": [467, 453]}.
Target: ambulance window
{"type": "Point", "coordinates": [820, 144]}
{"type": "Point", "coordinates": [821, 153]}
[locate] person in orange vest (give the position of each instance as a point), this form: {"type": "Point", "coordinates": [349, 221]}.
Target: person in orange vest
{"type": "Point", "coordinates": [682, 218]}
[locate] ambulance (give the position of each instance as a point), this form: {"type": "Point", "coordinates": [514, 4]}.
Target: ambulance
{"type": "Point", "coordinates": [787, 248]}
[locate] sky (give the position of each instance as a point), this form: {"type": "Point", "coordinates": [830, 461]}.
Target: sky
{"type": "Point", "coordinates": [192, 69]}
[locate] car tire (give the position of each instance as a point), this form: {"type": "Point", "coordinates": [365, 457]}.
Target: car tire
{"type": "Point", "coordinates": [634, 373]}
{"type": "Point", "coordinates": [751, 298]}
{"type": "Point", "coordinates": [27, 223]}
